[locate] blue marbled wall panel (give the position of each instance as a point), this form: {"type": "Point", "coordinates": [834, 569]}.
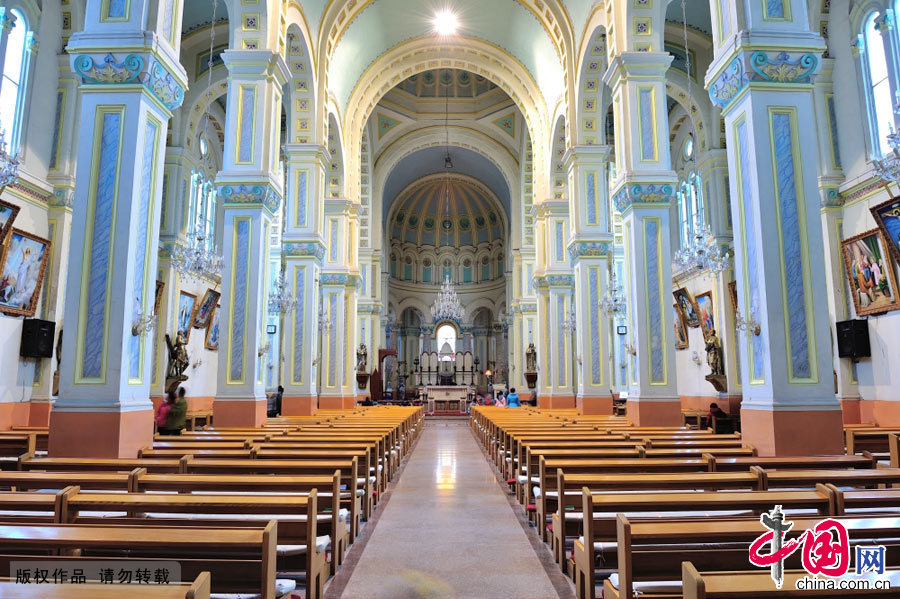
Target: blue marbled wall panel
{"type": "Point", "coordinates": [832, 124]}
{"type": "Point", "coordinates": [591, 185]}
{"type": "Point", "coordinates": [647, 124]}
{"type": "Point", "coordinates": [240, 282]}
{"type": "Point", "coordinates": [791, 224]}
{"type": "Point", "coordinates": [775, 8]}
{"type": "Point", "coordinates": [248, 109]}
{"type": "Point", "coordinates": [594, 299]}
{"type": "Point", "coordinates": [302, 191]}
{"type": "Point", "coordinates": [561, 341]}
{"type": "Point", "coordinates": [100, 251]}
{"type": "Point", "coordinates": [116, 9]}
{"type": "Point", "coordinates": [332, 340]}
{"type": "Point", "coordinates": [560, 252]}
{"type": "Point", "coordinates": [657, 358]}
{"type": "Point", "coordinates": [57, 121]}
{"type": "Point", "coordinates": [299, 313]}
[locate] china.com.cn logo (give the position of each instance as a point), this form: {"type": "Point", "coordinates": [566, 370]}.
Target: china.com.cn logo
{"type": "Point", "coordinates": [825, 549]}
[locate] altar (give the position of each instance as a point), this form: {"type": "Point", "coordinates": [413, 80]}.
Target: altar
{"type": "Point", "coordinates": [447, 399]}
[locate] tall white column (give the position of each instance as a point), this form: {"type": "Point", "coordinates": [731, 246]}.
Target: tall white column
{"type": "Point", "coordinates": [789, 406]}
{"type": "Point", "coordinates": [106, 369]}
{"type": "Point", "coordinates": [251, 190]}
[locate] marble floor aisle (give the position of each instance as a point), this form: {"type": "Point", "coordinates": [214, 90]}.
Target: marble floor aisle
{"type": "Point", "coordinates": [449, 531]}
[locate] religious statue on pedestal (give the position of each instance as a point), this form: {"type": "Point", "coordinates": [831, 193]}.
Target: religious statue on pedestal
{"type": "Point", "coordinates": [531, 366]}
{"type": "Point", "coordinates": [531, 358]}
{"type": "Point", "coordinates": [362, 358]}
{"type": "Point", "coordinates": [362, 364]}
{"type": "Point", "coordinates": [716, 377]}
{"type": "Point", "coordinates": [178, 361]}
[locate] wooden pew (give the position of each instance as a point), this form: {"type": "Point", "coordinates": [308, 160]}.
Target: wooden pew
{"type": "Point", "coordinates": [30, 507]}
{"type": "Point", "coordinates": [327, 489]}
{"type": "Point", "coordinates": [873, 439]}
{"type": "Point", "coordinates": [650, 550]}
{"type": "Point", "coordinates": [726, 464]}
{"type": "Point", "coordinates": [759, 585]}
{"type": "Point", "coordinates": [239, 560]}
{"type": "Point", "coordinates": [98, 481]}
{"type": "Point", "coordinates": [13, 445]}
{"type": "Point", "coordinates": [865, 477]}
{"type": "Point", "coordinates": [295, 515]}
{"type": "Point", "coordinates": [102, 464]}
{"type": "Point", "coordinates": [291, 468]}
{"type": "Point", "coordinates": [198, 589]}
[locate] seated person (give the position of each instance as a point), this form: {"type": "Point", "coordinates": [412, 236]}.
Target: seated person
{"type": "Point", "coordinates": [368, 401]}
{"type": "Point", "coordinates": [715, 411]}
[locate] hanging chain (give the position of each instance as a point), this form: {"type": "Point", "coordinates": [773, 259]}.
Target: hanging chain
{"type": "Point", "coordinates": [209, 65]}
{"type": "Point", "coordinates": [689, 66]}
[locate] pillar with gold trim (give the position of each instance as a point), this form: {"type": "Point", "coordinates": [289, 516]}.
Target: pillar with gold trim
{"type": "Point", "coordinates": [130, 83]}
{"type": "Point", "coordinates": [766, 96]}
{"type": "Point", "coordinates": [643, 191]}
{"type": "Point", "coordinates": [250, 190]}
{"type": "Point", "coordinates": [303, 250]}
{"type": "Point", "coordinates": [589, 249]}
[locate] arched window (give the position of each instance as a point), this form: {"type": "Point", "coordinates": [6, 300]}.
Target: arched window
{"type": "Point", "coordinates": [446, 334]}
{"type": "Point", "coordinates": [12, 84]}
{"type": "Point", "coordinates": [879, 84]}
{"type": "Point", "coordinates": [203, 201]}
{"type": "Point", "coordinates": [691, 212]}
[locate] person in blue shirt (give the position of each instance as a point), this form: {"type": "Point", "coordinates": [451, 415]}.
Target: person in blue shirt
{"type": "Point", "coordinates": [512, 399]}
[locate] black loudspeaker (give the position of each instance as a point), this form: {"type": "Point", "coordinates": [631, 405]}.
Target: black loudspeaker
{"type": "Point", "coordinates": [37, 338]}
{"type": "Point", "coordinates": [853, 339]}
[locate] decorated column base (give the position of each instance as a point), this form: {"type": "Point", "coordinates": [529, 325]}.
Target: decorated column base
{"type": "Point", "coordinates": [234, 413]}
{"type": "Point", "coordinates": [305, 405]}
{"type": "Point", "coordinates": [337, 402]}
{"type": "Point", "coordinates": [594, 406]}
{"type": "Point", "coordinates": [556, 402]}
{"type": "Point", "coordinates": [100, 434]}
{"type": "Point", "coordinates": [654, 412]}
{"type": "Point", "coordinates": [793, 433]}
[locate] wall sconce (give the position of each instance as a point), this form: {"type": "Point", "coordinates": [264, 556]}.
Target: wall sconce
{"type": "Point", "coordinates": [264, 349]}
{"type": "Point", "coordinates": [196, 364]}
{"type": "Point", "coordinates": [695, 357]}
{"type": "Point", "coordinates": [630, 349]}
{"type": "Point", "coordinates": [746, 326]}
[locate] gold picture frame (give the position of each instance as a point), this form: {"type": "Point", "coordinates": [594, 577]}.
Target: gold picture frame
{"type": "Point", "coordinates": [25, 258]}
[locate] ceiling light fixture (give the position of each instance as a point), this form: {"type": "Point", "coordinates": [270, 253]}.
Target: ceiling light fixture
{"type": "Point", "coordinates": [445, 22]}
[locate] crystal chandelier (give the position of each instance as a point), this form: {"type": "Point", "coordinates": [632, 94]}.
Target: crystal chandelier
{"type": "Point", "coordinates": [613, 302]}
{"type": "Point", "coordinates": [888, 168]}
{"type": "Point", "coordinates": [703, 253]}
{"type": "Point", "coordinates": [9, 165]}
{"type": "Point", "coordinates": [196, 260]}
{"type": "Point", "coordinates": [447, 305]}
{"type": "Point", "coordinates": [281, 300]}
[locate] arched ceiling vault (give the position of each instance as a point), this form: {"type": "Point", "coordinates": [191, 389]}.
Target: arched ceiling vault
{"type": "Point", "coordinates": [509, 26]}
{"type": "Point", "coordinates": [423, 54]}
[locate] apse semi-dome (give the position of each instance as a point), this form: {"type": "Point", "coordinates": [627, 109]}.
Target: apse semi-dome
{"type": "Point", "coordinates": [424, 215]}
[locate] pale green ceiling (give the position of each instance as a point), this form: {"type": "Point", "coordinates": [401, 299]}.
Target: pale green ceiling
{"type": "Point", "coordinates": [312, 10]}
{"type": "Point", "coordinates": [386, 23]}
{"type": "Point", "coordinates": [578, 14]}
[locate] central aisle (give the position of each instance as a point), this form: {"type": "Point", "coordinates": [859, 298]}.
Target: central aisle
{"type": "Point", "coordinates": [448, 531]}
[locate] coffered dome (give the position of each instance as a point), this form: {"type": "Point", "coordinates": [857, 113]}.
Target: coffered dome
{"type": "Point", "coordinates": [426, 214]}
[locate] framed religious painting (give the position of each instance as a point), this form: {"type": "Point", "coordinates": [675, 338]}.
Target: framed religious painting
{"type": "Point", "coordinates": [22, 273]}
{"type": "Point", "coordinates": [887, 217]}
{"type": "Point", "coordinates": [870, 273]}
{"type": "Point", "coordinates": [212, 330]}
{"type": "Point", "coordinates": [687, 306]}
{"type": "Point", "coordinates": [8, 214]}
{"type": "Point", "coordinates": [706, 312]}
{"type": "Point", "coordinates": [157, 297]}
{"type": "Point", "coordinates": [185, 316]}
{"type": "Point", "coordinates": [681, 334]}
{"type": "Point", "coordinates": [206, 308]}
{"type": "Point", "coordinates": [732, 293]}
